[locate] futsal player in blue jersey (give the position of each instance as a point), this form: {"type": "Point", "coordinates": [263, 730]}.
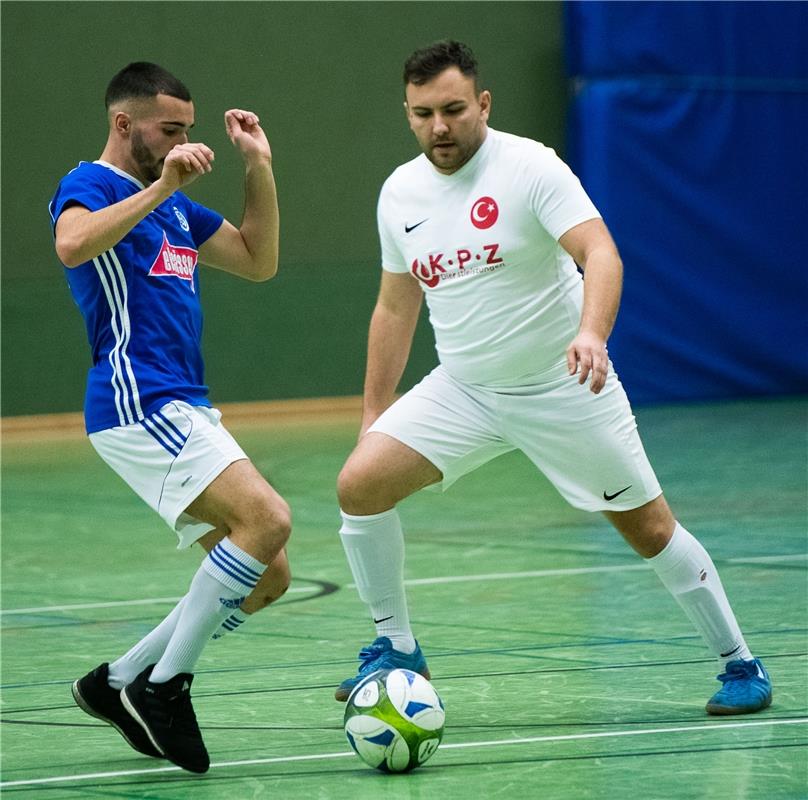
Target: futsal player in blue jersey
{"type": "Point", "coordinates": [131, 243]}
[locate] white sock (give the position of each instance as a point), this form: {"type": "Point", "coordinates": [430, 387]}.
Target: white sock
{"type": "Point", "coordinates": [231, 623]}
{"type": "Point", "coordinates": [147, 651]}
{"type": "Point", "coordinates": [221, 583]}
{"type": "Point", "coordinates": [374, 546]}
{"type": "Point", "coordinates": [689, 574]}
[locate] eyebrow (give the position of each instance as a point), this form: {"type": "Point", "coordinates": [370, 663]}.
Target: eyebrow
{"type": "Point", "coordinates": [178, 124]}
{"type": "Point", "coordinates": [445, 105]}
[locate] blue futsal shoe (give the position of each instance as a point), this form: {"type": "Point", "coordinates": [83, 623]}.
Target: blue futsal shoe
{"type": "Point", "coordinates": [747, 688]}
{"type": "Point", "coordinates": [381, 655]}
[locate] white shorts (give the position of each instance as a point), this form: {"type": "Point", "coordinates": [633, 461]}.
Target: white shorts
{"type": "Point", "coordinates": [169, 459]}
{"type": "Point", "coordinates": [587, 445]}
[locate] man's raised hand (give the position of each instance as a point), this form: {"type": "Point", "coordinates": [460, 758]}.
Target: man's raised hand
{"type": "Point", "coordinates": [185, 163]}
{"type": "Point", "coordinates": [247, 135]}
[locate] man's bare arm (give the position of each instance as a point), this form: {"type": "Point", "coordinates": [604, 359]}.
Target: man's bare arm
{"type": "Point", "coordinates": [593, 249]}
{"type": "Point", "coordinates": [392, 328]}
{"type": "Point", "coordinates": [82, 234]}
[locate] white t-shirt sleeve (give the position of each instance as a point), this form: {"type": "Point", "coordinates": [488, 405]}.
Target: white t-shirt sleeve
{"type": "Point", "coordinates": [555, 194]}
{"type": "Point", "coordinates": [392, 259]}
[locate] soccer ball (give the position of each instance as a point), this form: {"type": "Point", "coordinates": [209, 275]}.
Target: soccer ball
{"type": "Point", "coordinates": [394, 720]}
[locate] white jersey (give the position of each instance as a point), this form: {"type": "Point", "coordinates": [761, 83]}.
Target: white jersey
{"type": "Point", "coordinates": [504, 297]}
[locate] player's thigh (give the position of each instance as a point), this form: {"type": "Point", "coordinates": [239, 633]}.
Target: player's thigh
{"type": "Point", "coordinates": [586, 444]}
{"type": "Point", "coordinates": [452, 427]}
{"type": "Point", "coordinates": [380, 472]}
{"type": "Point", "coordinates": [240, 497]}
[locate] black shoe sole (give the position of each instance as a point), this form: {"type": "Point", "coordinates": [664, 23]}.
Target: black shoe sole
{"type": "Point", "coordinates": [88, 709]}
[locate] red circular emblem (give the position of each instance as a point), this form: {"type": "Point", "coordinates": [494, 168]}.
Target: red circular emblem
{"type": "Point", "coordinates": [484, 213]}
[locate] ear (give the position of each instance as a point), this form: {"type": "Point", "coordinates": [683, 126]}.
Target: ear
{"type": "Point", "coordinates": [407, 113]}
{"type": "Point", "coordinates": [122, 123]}
{"type": "Point", "coordinates": [485, 104]}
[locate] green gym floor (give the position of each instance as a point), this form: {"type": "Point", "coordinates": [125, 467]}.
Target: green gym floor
{"type": "Point", "coordinates": [566, 669]}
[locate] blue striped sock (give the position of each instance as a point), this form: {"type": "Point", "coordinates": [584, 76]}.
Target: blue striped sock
{"type": "Point", "coordinates": [225, 578]}
{"type": "Point", "coordinates": [231, 623]}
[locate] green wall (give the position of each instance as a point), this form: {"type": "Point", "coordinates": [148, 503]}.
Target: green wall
{"type": "Point", "coordinates": [325, 79]}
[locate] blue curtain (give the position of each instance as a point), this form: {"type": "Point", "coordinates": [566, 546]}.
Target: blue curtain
{"type": "Point", "coordinates": [689, 129]}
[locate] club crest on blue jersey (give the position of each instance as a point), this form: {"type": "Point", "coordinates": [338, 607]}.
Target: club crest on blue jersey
{"type": "Point", "coordinates": [181, 217]}
{"type": "Point", "coordinates": [175, 261]}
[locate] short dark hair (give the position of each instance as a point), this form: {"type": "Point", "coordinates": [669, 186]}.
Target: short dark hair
{"type": "Point", "coordinates": [428, 62]}
{"type": "Point", "coordinates": [144, 79]}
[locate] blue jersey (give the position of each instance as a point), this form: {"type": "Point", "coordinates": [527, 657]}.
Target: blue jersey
{"type": "Point", "coordinates": [139, 300]}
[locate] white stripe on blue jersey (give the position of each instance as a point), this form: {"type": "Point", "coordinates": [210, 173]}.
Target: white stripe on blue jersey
{"type": "Point", "coordinates": [116, 323]}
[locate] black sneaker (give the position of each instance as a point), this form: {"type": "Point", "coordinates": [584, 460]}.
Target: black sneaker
{"type": "Point", "coordinates": [165, 713]}
{"type": "Point", "coordinates": [96, 697]}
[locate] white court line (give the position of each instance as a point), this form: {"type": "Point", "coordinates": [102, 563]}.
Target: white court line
{"type": "Point", "coordinates": [545, 573]}
{"type": "Point", "coordinates": [490, 576]}
{"type": "Point", "coordinates": [119, 603]}
{"type": "Point", "coordinates": [768, 559]}
{"type": "Point", "coordinates": [536, 573]}
{"type": "Point", "coordinates": [491, 743]}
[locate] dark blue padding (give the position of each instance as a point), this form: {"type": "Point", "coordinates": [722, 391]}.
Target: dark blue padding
{"type": "Point", "coordinates": [753, 40]}
{"type": "Point", "coordinates": [695, 153]}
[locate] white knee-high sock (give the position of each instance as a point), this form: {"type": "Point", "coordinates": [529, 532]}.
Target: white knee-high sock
{"type": "Point", "coordinates": [688, 572]}
{"type": "Point", "coordinates": [226, 576]}
{"type": "Point", "coordinates": [147, 651]}
{"type": "Point", "coordinates": [374, 546]}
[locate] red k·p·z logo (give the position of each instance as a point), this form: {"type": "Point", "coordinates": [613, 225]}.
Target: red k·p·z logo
{"type": "Point", "coordinates": [439, 266]}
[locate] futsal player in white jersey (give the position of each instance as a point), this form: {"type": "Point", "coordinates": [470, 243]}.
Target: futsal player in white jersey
{"type": "Point", "coordinates": [489, 228]}
{"type": "Point", "coordinates": [131, 241]}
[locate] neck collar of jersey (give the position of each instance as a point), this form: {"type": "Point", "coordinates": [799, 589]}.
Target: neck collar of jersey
{"type": "Point", "coordinates": [120, 172]}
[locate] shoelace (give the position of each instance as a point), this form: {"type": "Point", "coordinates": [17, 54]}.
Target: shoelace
{"type": "Point", "coordinates": [367, 655]}
{"type": "Point", "coordinates": [176, 712]}
{"type": "Point", "coordinates": [738, 672]}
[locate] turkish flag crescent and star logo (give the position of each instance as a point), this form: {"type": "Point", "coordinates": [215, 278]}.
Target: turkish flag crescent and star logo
{"type": "Point", "coordinates": [484, 213]}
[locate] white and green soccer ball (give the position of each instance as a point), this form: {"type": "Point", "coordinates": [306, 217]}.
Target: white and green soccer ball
{"type": "Point", "coordinates": [394, 720]}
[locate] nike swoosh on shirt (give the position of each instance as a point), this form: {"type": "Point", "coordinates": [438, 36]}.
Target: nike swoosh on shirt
{"type": "Point", "coordinates": [408, 228]}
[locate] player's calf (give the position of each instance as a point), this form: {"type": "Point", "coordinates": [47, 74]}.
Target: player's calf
{"type": "Point", "coordinates": [271, 587]}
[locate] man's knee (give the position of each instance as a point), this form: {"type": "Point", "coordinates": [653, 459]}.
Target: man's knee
{"type": "Point", "coordinates": [647, 529]}
{"type": "Point", "coordinates": [349, 487]}
{"type": "Point", "coordinates": [381, 472]}
{"type": "Point", "coordinates": [263, 526]}
{"type": "Point", "coordinates": [360, 492]}
{"type": "Point", "coordinates": [277, 519]}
